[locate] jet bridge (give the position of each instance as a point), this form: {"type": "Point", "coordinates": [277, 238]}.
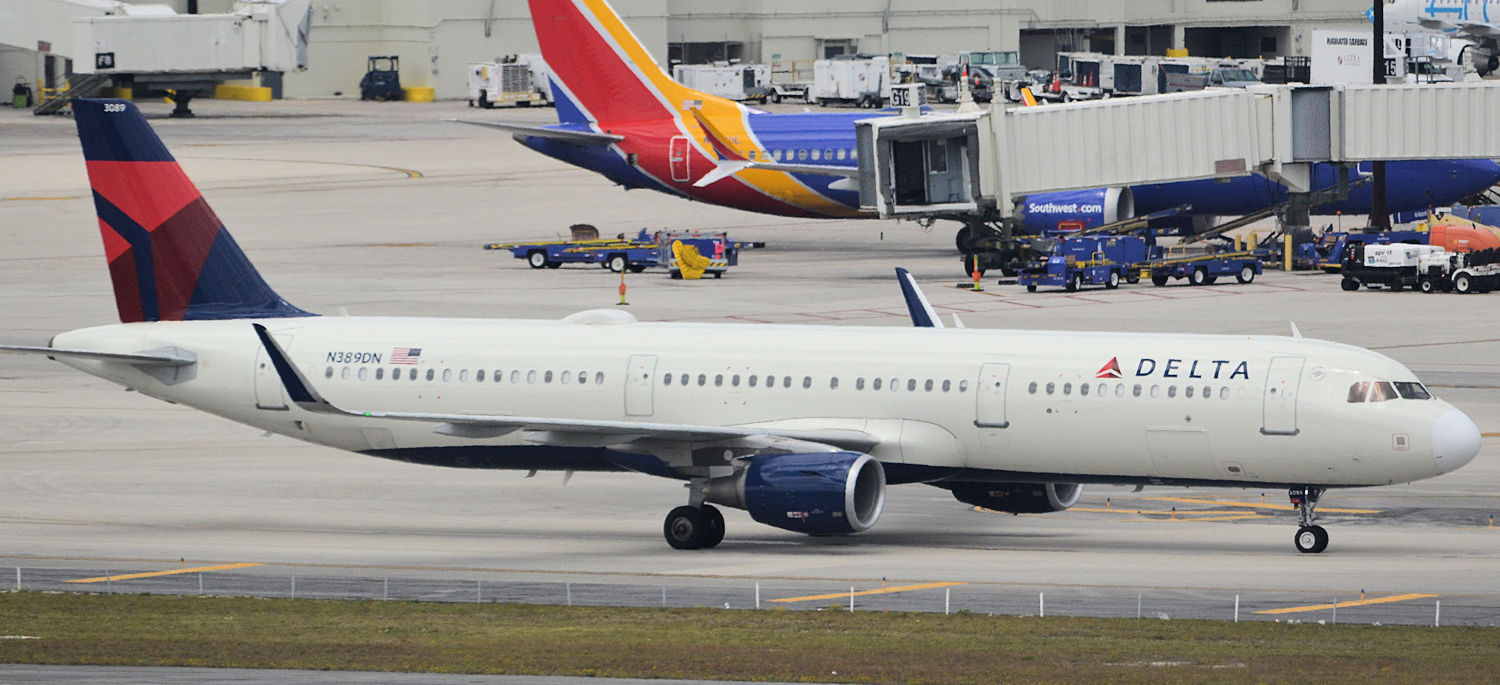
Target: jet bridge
{"type": "Point", "coordinates": [971, 166]}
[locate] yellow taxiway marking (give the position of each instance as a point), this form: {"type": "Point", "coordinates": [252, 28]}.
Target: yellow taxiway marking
{"type": "Point", "coordinates": [173, 572]}
{"type": "Point", "coordinates": [1355, 603]}
{"type": "Point", "coordinates": [1491, 435]}
{"type": "Point", "coordinates": [1254, 505]}
{"type": "Point", "coordinates": [862, 593]}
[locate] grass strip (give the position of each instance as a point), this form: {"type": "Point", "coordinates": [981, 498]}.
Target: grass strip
{"type": "Point", "coordinates": [713, 644]}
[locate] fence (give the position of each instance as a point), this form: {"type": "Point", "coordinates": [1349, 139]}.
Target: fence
{"type": "Point", "coordinates": [749, 594]}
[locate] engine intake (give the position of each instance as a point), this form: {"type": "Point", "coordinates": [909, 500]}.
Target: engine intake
{"type": "Point", "coordinates": [827, 493]}
{"type": "Point", "coordinates": [1018, 498]}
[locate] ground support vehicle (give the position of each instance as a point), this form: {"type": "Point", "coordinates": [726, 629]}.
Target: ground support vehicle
{"type": "Point", "coordinates": [858, 81]}
{"type": "Point", "coordinates": [382, 79]}
{"type": "Point", "coordinates": [1087, 260]}
{"type": "Point", "coordinates": [1204, 268]}
{"type": "Point", "coordinates": [1328, 251]}
{"type": "Point", "coordinates": [1428, 268]}
{"type": "Point", "coordinates": [502, 84]}
{"type": "Point", "coordinates": [637, 254]}
{"type": "Point", "coordinates": [735, 81]}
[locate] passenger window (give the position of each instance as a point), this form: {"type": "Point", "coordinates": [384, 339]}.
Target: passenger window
{"type": "Point", "coordinates": [1050, 387]}
{"type": "Point", "coordinates": [344, 373]}
{"type": "Point", "coordinates": [1119, 390]}
{"type": "Point", "coordinates": [463, 376]}
{"type": "Point", "coordinates": [1208, 393]}
{"type": "Point", "coordinates": [948, 385]}
{"type": "Point", "coordinates": [875, 384]}
{"type": "Point", "coordinates": [828, 155]}
{"type": "Point", "coordinates": [430, 374]}
{"type": "Point", "coordinates": [1382, 392]}
{"type": "Point", "coordinates": [802, 155]}
{"type": "Point", "coordinates": [498, 376]}
{"type": "Point", "coordinates": [547, 377]}
{"type": "Point", "coordinates": [895, 384]}
{"type": "Point", "coordinates": [702, 379]}
{"type": "Point", "coordinates": [859, 383]}
{"type": "Point", "coordinates": [479, 376]}
{"type": "Point", "coordinates": [928, 385]}
{"type": "Point", "coordinates": [1136, 391]}
{"type": "Point", "coordinates": [842, 153]}
{"type": "Point", "coordinates": [567, 377]}
{"type": "Point", "coordinates": [719, 380]}
{"type": "Point", "coordinates": [328, 373]}
{"type": "Point", "coordinates": [1031, 389]}
{"type": "Point", "coordinates": [807, 382]}
{"type": "Point", "coordinates": [364, 372]}
{"type": "Point", "coordinates": [833, 383]}
{"type": "Point", "coordinates": [1155, 391]}
{"type": "Point", "coordinates": [1413, 391]}
{"type": "Point", "coordinates": [515, 376]}
{"type": "Point", "coordinates": [1224, 393]}
{"type": "Point", "coordinates": [735, 380]}
{"type": "Point", "coordinates": [1083, 389]}
{"type": "Point", "coordinates": [531, 377]}
{"type": "Point", "coordinates": [598, 378]}
{"type": "Point", "coordinates": [447, 375]}
{"type": "Point", "coordinates": [752, 380]}
{"type": "Point", "coordinates": [816, 155]}
{"type": "Point", "coordinates": [1188, 392]}
{"type": "Point", "coordinates": [1067, 388]}
{"type": "Point", "coordinates": [583, 378]}
{"type": "Point", "coordinates": [963, 386]}
{"type": "Point", "coordinates": [1171, 391]}
{"type": "Point", "coordinates": [911, 385]}
{"type": "Point", "coordinates": [666, 378]}
{"type": "Point", "coordinates": [786, 381]}
{"type": "Point", "coordinates": [379, 373]}
{"type": "Point", "coordinates": [854, 154]}
{"type": "Point", "coordinates": [1102, 390]}
{"type": "Point", "coordinates": [682, 380]}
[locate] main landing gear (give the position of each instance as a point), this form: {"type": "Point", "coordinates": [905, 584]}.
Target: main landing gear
{"type": "Point", "coordinates": [1310, 539]}
{"type": "Point", "coordinates": [690, 527]}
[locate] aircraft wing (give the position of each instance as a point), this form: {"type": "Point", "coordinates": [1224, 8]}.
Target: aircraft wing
{"type": "Point", "coordinates": [575, 432]}
{"type": "Point", "coordinates": [1473, 29]}
{"type": "Point", "coordinates": [580, 138]}
{"type": "Point", "coordinates": [165, 357]}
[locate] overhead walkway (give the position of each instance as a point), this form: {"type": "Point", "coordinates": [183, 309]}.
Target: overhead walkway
{"type": "Point", "coordinates": [971, 166]}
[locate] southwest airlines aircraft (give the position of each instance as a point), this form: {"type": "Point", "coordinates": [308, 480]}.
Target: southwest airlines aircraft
{"type": "Point", "coordinates": [804, 427]}
{"type": "Point", "coordinates": [1476, 20]}
{"type": "Point", "coordinates": [623, 117]}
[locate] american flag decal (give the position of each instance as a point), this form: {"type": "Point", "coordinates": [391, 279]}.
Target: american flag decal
{"type": "Point", "coordinates": [406, 355]}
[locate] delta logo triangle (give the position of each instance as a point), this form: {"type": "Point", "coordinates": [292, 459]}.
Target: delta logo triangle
{"type": "Point", "coordinates": [1110, 370]}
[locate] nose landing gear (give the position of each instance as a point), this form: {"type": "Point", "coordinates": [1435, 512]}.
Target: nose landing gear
{"type": "Point", "coordinates": [1310, 538]}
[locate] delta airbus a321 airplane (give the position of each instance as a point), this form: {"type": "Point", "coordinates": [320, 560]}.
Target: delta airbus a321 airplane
{"type": "Point", "coordinates": [623, 117]}
{"type": "Point", "coordinates": [804, 427]}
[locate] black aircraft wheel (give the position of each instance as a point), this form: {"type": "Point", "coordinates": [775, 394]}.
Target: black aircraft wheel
{"type": "Point", "coordinates": [1311, 539]}
{"type": "Point", "coordinates": [537, 259]}
{"type": "Point", "coordinates": [617, 263]}
{"type": "Point", "coordinates": [1349, 284]}
{"type": "Point", "coordinates": [961, 240]}
{"type": "Point", "coordinates": [715, 526]}
{"type": "Point", "coordinates": [687, 528]}
{"type": "Point", "coordinates": [1113, 281]}
{"type": "Point", "coordinates": [1246, 274]}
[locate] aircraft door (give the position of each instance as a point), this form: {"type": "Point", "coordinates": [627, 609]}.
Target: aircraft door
{"type": "Point", "coordinates": [677, 157]}
{"type": "Point", "coordinates": [989, 410]}
{"type": "Point", "coordinates": [640, 380]}
{"type": "Point", "coordinates": [1280, 402]}
{"type": "Point", "coordinates": [269, 392]}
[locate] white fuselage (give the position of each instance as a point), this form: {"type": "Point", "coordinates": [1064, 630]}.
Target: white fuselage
{"type": "Point", "coordinates": [1002, 405]}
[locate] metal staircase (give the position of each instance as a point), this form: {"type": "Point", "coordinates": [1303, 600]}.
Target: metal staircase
{"type": "Point", "coordinates": [54, 101]}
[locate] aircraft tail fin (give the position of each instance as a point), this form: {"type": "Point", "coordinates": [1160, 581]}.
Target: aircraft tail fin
{"type": "Point", "coordinates": [600, 70]}
{"type": "Point", "coordinates": [170, 258]}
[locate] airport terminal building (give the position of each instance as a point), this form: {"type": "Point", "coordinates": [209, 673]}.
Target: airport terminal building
{"type": "Point", "coordinates": [436, 39]}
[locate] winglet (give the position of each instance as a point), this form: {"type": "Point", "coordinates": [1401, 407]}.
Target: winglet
{"type": "Point", "coordinates": [922, 313]}
{"type": "Point", "coordinates": [297, 387]}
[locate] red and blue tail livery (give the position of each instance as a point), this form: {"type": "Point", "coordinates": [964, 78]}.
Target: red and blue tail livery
{"type": "Point", "coordinates": [170, 257]}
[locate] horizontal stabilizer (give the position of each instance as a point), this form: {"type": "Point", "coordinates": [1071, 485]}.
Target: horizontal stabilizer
{"type": "Point", "coordinates": [580, 138]}
{"type": "Point", "coordinates": [176, 357]}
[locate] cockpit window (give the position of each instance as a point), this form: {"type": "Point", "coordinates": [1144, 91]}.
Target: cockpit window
{"type": "Point", "coordinates": [1358, 391]}
{"type": "Point", "coordinates": [1413, 391]}
{"type": "Point", "coordinates": [1382, 391]}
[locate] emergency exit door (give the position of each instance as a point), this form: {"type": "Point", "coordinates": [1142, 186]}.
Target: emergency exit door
{"type": "Point", "coordinates": [677, 158]}
{"type": "Point", "coordinates": [640, 380]}
{"type": "Point", "coordinates": [989, 411]}
{"type": "Point", "coordinates": [1283, 382]}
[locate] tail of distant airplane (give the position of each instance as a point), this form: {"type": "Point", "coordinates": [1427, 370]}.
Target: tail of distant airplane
{"type": "Point", "coordinates": [600, 71]}
{"type": "Point", "coordinates": [170, 257]}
